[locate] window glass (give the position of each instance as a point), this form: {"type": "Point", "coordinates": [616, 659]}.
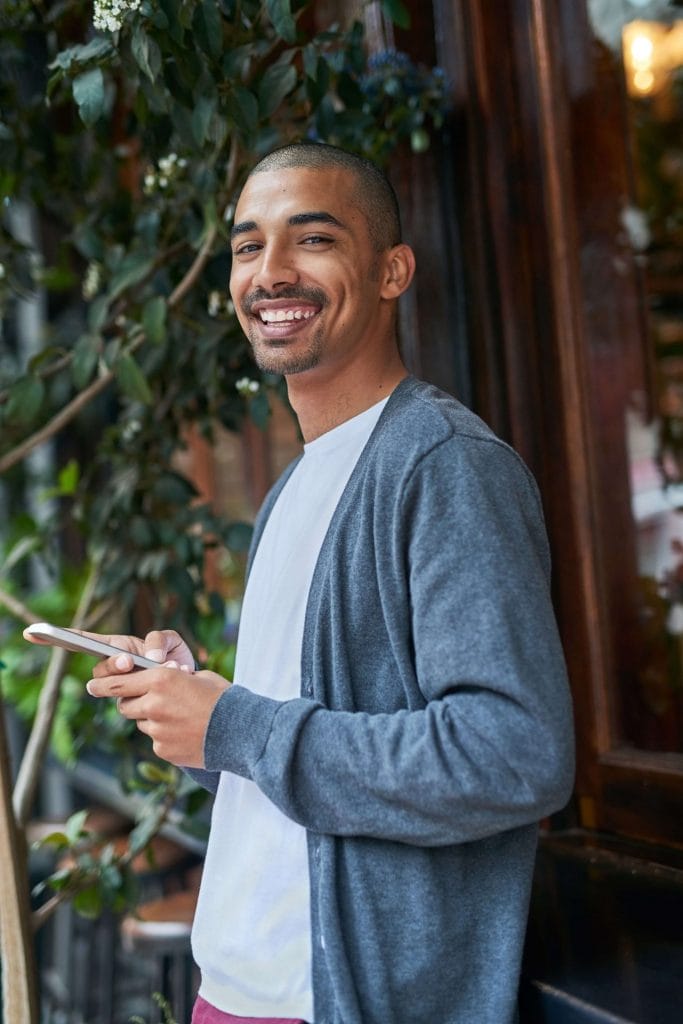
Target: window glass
{"type": "Point", "coordinates": [652, 52]}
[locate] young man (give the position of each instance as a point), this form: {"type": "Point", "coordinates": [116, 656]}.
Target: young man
{"type": "Point", "coordinates": [399, 720]}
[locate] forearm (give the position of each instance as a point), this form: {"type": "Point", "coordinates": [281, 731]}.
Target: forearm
{"type": "Point", "coordinates": [444, 774]}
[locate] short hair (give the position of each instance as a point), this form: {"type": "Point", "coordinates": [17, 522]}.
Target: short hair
{"type": "Point", "coordinates": [375, 196]}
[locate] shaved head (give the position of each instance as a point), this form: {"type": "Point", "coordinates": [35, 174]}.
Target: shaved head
{"type": "Point", "coordinates": [375, 196]}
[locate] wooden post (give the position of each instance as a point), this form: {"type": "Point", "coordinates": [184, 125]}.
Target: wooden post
{"type": "Point", "coordinates": [19, 974]}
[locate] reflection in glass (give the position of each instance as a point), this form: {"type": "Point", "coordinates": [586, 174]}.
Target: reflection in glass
{"type": "Point", "coordinates": [653, 68]}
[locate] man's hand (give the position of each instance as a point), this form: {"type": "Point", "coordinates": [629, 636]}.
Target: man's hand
{"type": "Point", "coordinates": [160, 645]}
{"type": "Point", "coordinates": [170, 704]}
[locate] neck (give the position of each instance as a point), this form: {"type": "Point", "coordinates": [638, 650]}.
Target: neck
{"type": "Point", "coordinates": [321, 405]}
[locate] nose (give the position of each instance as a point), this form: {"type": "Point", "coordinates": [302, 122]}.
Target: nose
{"type": "Point", "coordinates": [274, 268]}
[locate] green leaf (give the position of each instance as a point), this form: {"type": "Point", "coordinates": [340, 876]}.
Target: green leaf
{"type": "Point", "coordinates": [244, 109]}
{"type": "Point", "coordinates": [132, 380]}
{"type": "Point", "coordinates": [25, 399]}
{"type": "Point", "coordinates": [278, 81]}
{"type": "Point", "coordinates": [157, 773]}
{"type": "Point", "coordinates": [171, 10]}
{"type": "Point", "coordinates": [280, 14]}
{"type": "Point", "coordinates": [88, 92]}
{"type": "Point", "coordinates": [238, 536]}
{"type": "Point", "coordinates": [146, 52]}
{"type": "Point", "coordinates": [75, 825]}
{"type": "Point", "coordinates": [204, 110]}
{"type": "Point", "coordinates": [84, 361]}
{"type": "Point", "coordinates": [88, 902]}
{"type": "Point", "coordinates": [68, 477]}
{"type": "Point", "coordinates": [397, 12]}
{"type": "Point", "coordinates": [132, 269]}
{"type": "Point", "coordinates": [208, 27]}
{"type": "Point", "coordinates": [56, 839]}
{"type": "Point", "coordinates": [96, 49]}
{"type": "Point", "coordinates": [154, 319]}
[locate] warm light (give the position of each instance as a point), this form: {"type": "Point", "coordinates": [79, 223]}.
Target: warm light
{"type": "Point", "coordinates": [643, 80]}
{"type": "Point", "coordinates": [642, 49]}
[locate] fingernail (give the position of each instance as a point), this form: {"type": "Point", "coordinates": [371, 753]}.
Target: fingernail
{"type": "Point", "coordinates": [123, 661]}
{"type": "Point", "coordinates": [155, 655]}
{"type": "Point", "coordinates": [88, 686]}
{"type": "Point", "coordinates": [170, 664]}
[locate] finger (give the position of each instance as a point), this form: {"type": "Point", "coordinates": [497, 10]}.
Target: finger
{"type": "Point", "coordinates": [134, 684]}
{"type": "Point", "coordinates": [165, 644]}
{"type": "Point", "coordinates": [159, 645]}
{"type": "Point", "coordinates": [130, 708]}
{"type": "Point", "coordinates": [120, 663]}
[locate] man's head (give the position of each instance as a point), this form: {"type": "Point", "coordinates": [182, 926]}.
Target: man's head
{"type": "Point", "coordinates": [316, 266]}
{"type": "Point", "coordinates": [375, 195]}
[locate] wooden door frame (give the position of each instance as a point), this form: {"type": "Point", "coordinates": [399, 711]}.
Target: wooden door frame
{"type": "Point", "coordinates": [535, 94]}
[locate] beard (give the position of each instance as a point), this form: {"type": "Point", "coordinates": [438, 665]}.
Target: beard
{"type": "Point", "coordinates": [272, 355]}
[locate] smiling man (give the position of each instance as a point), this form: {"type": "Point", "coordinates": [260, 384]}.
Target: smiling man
{"type": "Point", "coordinates": [399, 719]}
{"type": "Point", "coordinates": [317, 267]}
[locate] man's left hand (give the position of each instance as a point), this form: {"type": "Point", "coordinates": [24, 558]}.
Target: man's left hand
{"type": "Point", "coordinates": [170, 705]}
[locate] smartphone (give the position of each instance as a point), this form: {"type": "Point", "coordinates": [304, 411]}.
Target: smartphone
{"type": "Point", "coordinates": [58, 637]}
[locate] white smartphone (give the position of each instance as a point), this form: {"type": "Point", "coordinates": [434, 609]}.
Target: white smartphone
{"type": "Point", "coordinates": [59, 637]}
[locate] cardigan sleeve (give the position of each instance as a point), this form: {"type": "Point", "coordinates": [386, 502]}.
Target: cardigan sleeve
{"type": "Point", "coordinates": [491, 746]}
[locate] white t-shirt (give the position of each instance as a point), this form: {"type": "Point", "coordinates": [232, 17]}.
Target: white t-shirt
{"type": "Point", "coordinates": [252, 933]}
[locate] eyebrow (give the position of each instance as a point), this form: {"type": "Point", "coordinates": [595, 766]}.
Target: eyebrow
{"type": "Point", "coordinates": [314, 217]}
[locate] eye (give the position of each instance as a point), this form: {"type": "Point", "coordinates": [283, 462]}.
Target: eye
{"type": "Point", "coordinates": [247, 249]}
{"type": "Point", "coordinates": [317, 240]}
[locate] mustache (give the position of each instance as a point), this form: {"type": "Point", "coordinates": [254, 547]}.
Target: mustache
{"type": "Point", "coordinates": [315, 296]}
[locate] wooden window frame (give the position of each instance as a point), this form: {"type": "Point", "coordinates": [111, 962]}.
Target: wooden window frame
{"type": "Point", "coordinates": [556, 335]}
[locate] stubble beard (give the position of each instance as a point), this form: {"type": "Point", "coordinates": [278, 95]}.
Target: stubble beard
{"type": "Point", "coordinates": [273, 357]}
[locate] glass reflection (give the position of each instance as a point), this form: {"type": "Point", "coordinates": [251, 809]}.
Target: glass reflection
{"type": "Point", "coordinates": [653, 68]}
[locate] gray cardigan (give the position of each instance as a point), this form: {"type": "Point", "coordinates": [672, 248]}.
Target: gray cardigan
{"type": "Point", "coordinates": [433, 729]}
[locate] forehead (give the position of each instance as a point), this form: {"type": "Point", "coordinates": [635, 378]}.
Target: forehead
{"type": "Point", "coordinates": [271, 196]}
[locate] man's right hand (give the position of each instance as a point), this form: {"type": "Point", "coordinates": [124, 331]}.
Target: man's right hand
{"type": "Point", "coordinates": [161, 645]}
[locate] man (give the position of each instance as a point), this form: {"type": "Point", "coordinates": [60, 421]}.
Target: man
{"type": "Point", "coordinates": [399, 720]}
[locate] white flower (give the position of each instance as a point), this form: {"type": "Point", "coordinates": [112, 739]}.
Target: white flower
{"type": "Point", "coordinates": [91, 280]}
{"type": "Point", "coordinates": [215, 303]}
{"type": "Point", "coordinates": [167, 170]}
{"type": "Point", "coordinates": [108, 15]}
{"type": "Point", "coordinates": [167, 163]}
{"type": "Point", "coordinates": [246, 386]}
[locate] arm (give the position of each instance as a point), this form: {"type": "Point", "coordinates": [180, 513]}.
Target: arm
{"type": "Point", "coordinates": [491, 748]}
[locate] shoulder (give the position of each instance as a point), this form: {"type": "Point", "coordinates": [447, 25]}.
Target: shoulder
{"type": "Point", "coordinates": [424, 427]}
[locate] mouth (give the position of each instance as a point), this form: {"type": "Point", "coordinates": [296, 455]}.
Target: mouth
{"type": "Point", "coordinates": [283, 318]}
{"type": "Point", "coordinates": [279, 316]}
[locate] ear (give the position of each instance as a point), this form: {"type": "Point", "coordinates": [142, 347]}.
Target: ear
{"type": "Point", "coordinates": [398, 271]}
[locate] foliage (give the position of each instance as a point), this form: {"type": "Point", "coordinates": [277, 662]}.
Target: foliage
{"type": "Point", "coordinates": [96, 874]}
{"type": "Point", "coordinates": [126, 130]}
{"type": "Point", "coordinates": [130, 140]}
{"type": "Point", "coordinates": [163, 1006]}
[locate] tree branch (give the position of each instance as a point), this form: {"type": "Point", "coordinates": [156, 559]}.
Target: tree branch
{"type": "Point", "coordinates": [34, 754]}
{"type": "Point", "coordinates": [17, 608]}
{"type": "Point", "coordinates": [72, 409]}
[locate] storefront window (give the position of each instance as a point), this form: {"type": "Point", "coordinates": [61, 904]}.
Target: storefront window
{"type": "Point", "coordinates": [652, 50]}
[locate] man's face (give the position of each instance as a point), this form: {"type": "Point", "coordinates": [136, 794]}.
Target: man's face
{"type": "Point", "coordinates": [305, 276]}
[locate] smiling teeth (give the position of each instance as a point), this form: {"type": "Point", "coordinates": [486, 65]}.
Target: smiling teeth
{"type": "Point", "coordinates": [276, 316]}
